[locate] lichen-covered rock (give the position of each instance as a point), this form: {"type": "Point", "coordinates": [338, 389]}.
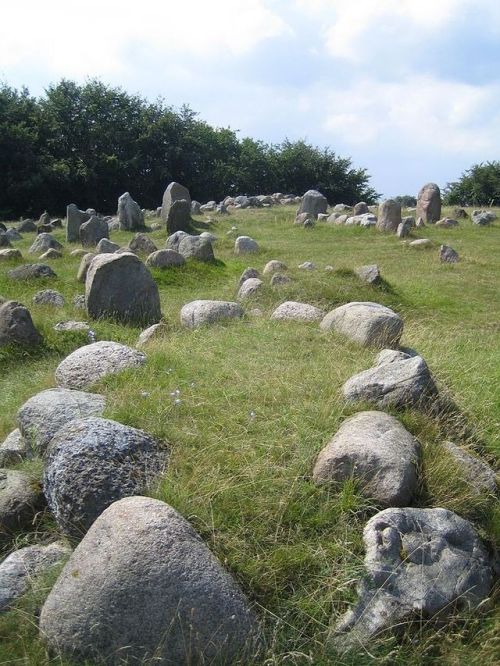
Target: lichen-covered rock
{"type": "Point", "coordinates": [90, 363]}
{"type": "Point", "coordinates": [369, 274]}
{"type": "Point", "coordinates": [10, 253]}
{"type": "Point", "coordinates": [44, 242]}
{"type": "Point", "coordinates": [105, 246]}
{"type": "Point", "coordinates": [369, 324]}
{"type": "Point", "coordinates": [165, 259]}
{"type": "Point", "coordinates": [143, 586]}
{"type": "Point", "coordinates": [154, 332]}
{"type": "Point", "coordinates": [14, 449]}
{"type": "Point", "coordinates": [250, 287]}
{"type": "Point", "coordinates": [200, 313]}
{"type": "Point", "coordinates": [45, 413]}
{"type": "Point", "coordinates": [49, 297]}
{"type": "Point", "coordinates": [375, 450]}
{"type": "Point", "coordinates": [91, 463]}
{"type": "Point", "coordinates": [178, 219]}
{"type": "Point", "coordinates": [420, 563]}
{"type": "Point", "coordinates": [247, 274]}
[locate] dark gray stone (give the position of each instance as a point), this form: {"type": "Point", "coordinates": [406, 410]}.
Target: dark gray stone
{"type": "Point", "coordinates": [121, 287]}
{"type": "Point", "coordinates": [31, 272]}
{"type": "Point", "coordinates": [92, 231]}
{"type": "Point", "coordinates": [16, 326]}
{"type": "Point", "coordinates": [180, 218]}
{"type": "Point", "coordinates": [26, 226]}
{"type": "Point", "coordinates": [130, 215]}
{"type": "Point", "coordinates": [74, 220]}
{"type": "Point", "coordinates": [91, 463]}
{"type": "Point", "coordinates": [313, 203]}
{"type": "Point", "coordinates": [448, 255]}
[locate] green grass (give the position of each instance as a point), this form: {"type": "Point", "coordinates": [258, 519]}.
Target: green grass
{"type": "Point", "coordinates": [244, 481]}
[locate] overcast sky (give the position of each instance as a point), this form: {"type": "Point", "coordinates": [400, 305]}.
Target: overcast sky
{"type": "Point", "coordinates": [409, 89]}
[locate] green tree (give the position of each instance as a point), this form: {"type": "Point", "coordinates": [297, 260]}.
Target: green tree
{"type": "Point", "coordinates": [478, 186]}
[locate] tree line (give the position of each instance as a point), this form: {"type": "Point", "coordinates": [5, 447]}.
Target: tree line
{"type": "Point", "coordinates": [89, 143]}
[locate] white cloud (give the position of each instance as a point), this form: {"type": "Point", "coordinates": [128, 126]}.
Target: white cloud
{"type": "Point", "coordinates": [95, 37]}
{"type": "Point", "coordinates": [420, 113]}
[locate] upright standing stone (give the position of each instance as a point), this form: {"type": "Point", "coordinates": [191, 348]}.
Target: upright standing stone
{"type": "Point", "coordinates": [429, 203]}
{"type": "Point", "coordinates": [130, 215]}
{"type": "Point", "coordinates": [389, 215]}
{"type": "Point", "coordinates": [313, 202]}
{"type": "Point", "coordinates": [181, 216]}
{"type": "Point", "coordinates": [75, 218]}
{"type": "Point", "coordinates": [121, 287]}
{"type": "Point", "coordinates": [93, 231]}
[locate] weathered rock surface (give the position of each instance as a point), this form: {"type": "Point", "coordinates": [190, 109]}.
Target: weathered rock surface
{"type": "Point", "coordinates": [446, 223]}
{"type": "Point", "coordinates": [154, 332]}
{"type": "Point", "coordinates": [75, 218]}
{"type": "Point", "coordinates": [13, 235]}
{"type": "Point", "coordinates": [14, 449]}
{"type": "Point", "coordinates": [398, 380]}
{"type": "Point", "coordinates": [279, 280]}
{"type": "Point", "coordinates": [19, 569]}
{"type": "Point", "coordinates": [245, 245]}
{"type": "Point", "coordinates": [376, 450]}
{"type": "Point", "coordinates": [130, 215]}
{"type": "Point", "coordinates": [93, 231]}
{"type": "Point", "coordinates": [51, 253]}
{"type": "Point", "coordinates": [274, 266]}
{"type": "Point", "coordinates": [20, 499]}
{"type": "Point", "coordinates": [483, 218]}
{"type": "Point", "coordinates": [45, 413]}
{"type": "Point", "coordinates": [421, 243]}
{"type": "Point", "coordinates": [173, 241]}
{"type": "Point", "coordinates": [141, 244]}
{"type": "Point", "coordinates": [360, 208]}
{"type": "Point", "coordinates": [121, 287]}
{"type": "Point", "coordinates": [313, 202]}
{"type": "Point", "coordinates": [370, 324]}
{"type": "Point", "coordinates": [420, 563]}
{"type": "Point", "coordinates": [71, 325]}
{"type": "Point", "coordinates": [247, 274]}
{"type": "Point", "coordinates": [389, 216]}
{"type": "Point", "coordinates": [250, 287]}
{"type": "Point", "coordinates": [4, 240]}
{"type": "Point", "coordinates": [10, 253]}
{"type": "Point", "coordinates": [477, 473]}
{"type": "Point", "coordinates": [26, 226]}
{"type": "Point", "coordinates": [165, 259]}
{"type": "Point", "coordinates": [448, 255]}
{"type": "Point", "coordinates": [196, 247]}
{"type": "Point", "coordinates": [293, 311]}
{"type": "Point", "coordinates": [16, 326]}
{"type": "Point", "coordinates": [49, 297]}
{"type": "Point", "coordinates": [105, 246]}
{"type": "Point", "coordinates": [90, 363]}
{"type": "Point", "coordinates": [429, 203]}
{"type": "Point", "coordinates": [44, 242]}
{"type": "Point", "coordinates": [369, 274]}
{"type": "Point", "coordinates": [176, 208]}
{"type": "Point", "coordinates": [91, 463]}
{"type": "Point", "coordinates": [147, 588]}
{"type": "Point", "coordinates": [200, 313]}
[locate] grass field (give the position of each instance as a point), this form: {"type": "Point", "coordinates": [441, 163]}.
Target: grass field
{"type": "Point", "coordinates": [260, 399]}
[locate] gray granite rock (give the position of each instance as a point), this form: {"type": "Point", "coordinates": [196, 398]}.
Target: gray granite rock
{"type": "Point", "coordinates": [200, 313]}
{"type": "Point", "coordinates": [294, 311]}
{"type": "Point", "coordinates": [16, 326]}
{"type": "Point", "coordinates": [369, 324]}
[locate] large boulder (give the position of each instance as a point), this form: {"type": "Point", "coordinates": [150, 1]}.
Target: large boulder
{"type": "Point", "coordinates": [200, 313]}
{"type": "Point", "coordinates": [389, 216]}
{"type": "Point", "coordinates": [31, 272]}
{"type": "Point", "coordinates": [369, 324]}
{"type": "Point", "coordinates": [313, 202]}
{"type": "Point", "coordinates": [196, 247]}
{"type": "Point", "coordinates": [45, 413]}
{"type": "Point", "coordinates": [90, 363]}
{"type": "Point", "coordinates": [21, 567]}
{"type": "Point", "coordinates": [147, 589]}
{"type": "Point", "coordinates": [429, 203]}
{"type": "Point", "coordinates": [93, 231]}
{"type": "Point", "coordinates": [294, 311]}
{"type": "Point", "coordinates": [91, 463]}
{"type": "Point", "coordinates": [420, 563]}
{"type": "Point", "coordinates": [20, 499]}
{"type": "Point", "coordinates": [398, 380]}
{"type": "Point", "coordinates": [178, 219]}
{"type": "Point", "coordinates": [377, 451]}
{"type": "Point", "coordinates": [121, 287]}
{"type": "Point", "coordinates": [74, 220]}
{"type": "Point", "coordinates": [44, 242]}
{"type": "Point", "coordinates": [16, 326]}
{"type": "Point", "coordinates": [130, 215]}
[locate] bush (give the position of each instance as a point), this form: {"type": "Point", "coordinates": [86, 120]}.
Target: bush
{"type": "Point", "coordinates": [478, 186]}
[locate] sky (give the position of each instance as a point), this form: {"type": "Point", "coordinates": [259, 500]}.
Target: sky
{"type": "Point", "coordinates": [408, 89]}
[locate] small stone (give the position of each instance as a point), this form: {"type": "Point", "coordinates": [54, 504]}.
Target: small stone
{"type": "Point", "coordinates": [421, 243]}
{"type": "Point", "coordinates": [247, 274]}
{"type": "Point", "coordinates": [165, 259]}
{"type": "Point", "coordinates": [44, 242]}
{"type": "Point", "coordinates": [279, 280]}
{"type": "Point", "coordinates": [307, 266]}
{"type": "Point", "coordinates": [10, 253]}
{"type": "Point", "coordinates": [199, 313]}
{"type": "Point", "coordinates": [446, 223]}
{"type": "Point", "coordinates": [293, 311]}
{"type": "Point", "coordinates": [31, 272]}
{"type": "Point", "coordinates": [51, 253]}
{"type": "Point", "coordinates": [49, 297]}
{"type": "Point", "coordinates": [195, 247]}
{"type": "Point", "coordinates": [448, 255]}
{"type": "Point", "coordinates": [16, 326]}
{"type": "Point", "coordinates": [105, 246]}
{"type": "Point", "coordinates": [141, 244]}
{"type": "Point", "coordinates": [274, 266]}
{"type": "Point", "coordinates": [154, 332]}
{"type": "Point", "coordinates": [250, 287]}
{"type": "Point", "coordinates": [72, 326]}
{"type": "Point", "coordinates": [245, 245]}
{"type": "Point", "coordinates": [480, 477]}
{"type": "Point", "coordinates": [93, 231]}
{"type": "Point", "coordinates": [369, 274]}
